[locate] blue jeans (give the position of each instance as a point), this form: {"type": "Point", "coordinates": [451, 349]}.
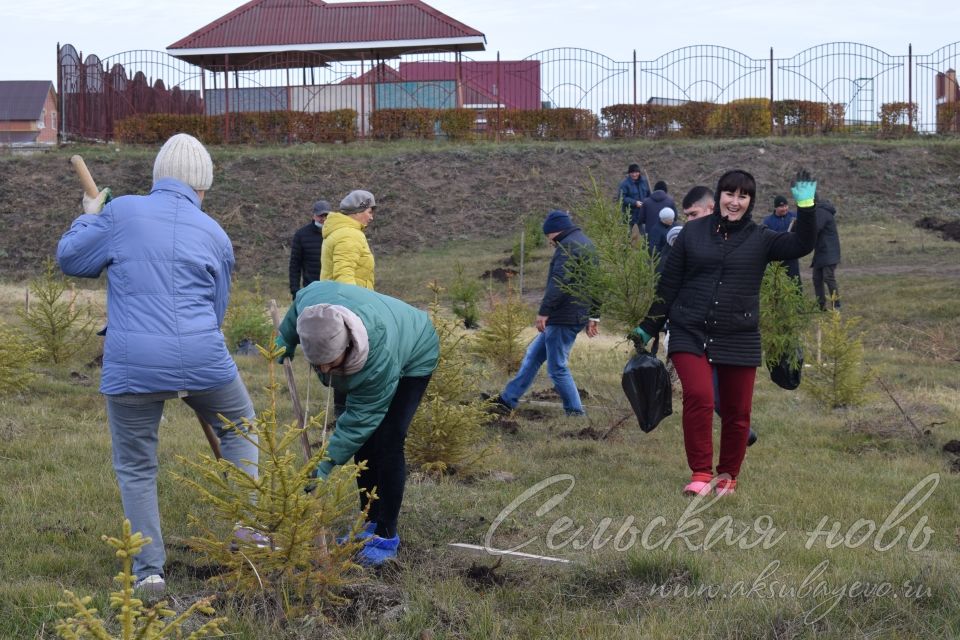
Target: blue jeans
{"type": "Point", "coordinates": [553, 347]}
{"type": "Point", "coordinates": [134, 431]}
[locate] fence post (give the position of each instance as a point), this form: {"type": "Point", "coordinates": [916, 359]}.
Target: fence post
{"type": "Point", "coordinates": [910, 84]}
{"type": "Point", "coordinates": [634, 77]}
{"type": "Point", "coordinates": [363, 100]}
{"type": "Point", "coordinates": [61, 101]}
{"type": "Point", "coordinates": [523, 233]}
{"type": "Point", "coordinates": [772, 119]}
{"type": "Point", "coordinates": [498, 98]}
{"type": "Point", "coordinates": [226, 98]}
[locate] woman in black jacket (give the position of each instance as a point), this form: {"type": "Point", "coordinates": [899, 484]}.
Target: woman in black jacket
{"type": "Point", "coordinates": [710, 292]}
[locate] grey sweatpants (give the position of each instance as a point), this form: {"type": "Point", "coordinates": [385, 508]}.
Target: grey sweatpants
{"type": "Point", "coordinates": [134, 430]}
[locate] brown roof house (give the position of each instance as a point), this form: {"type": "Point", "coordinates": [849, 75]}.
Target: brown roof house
{"type": "Point", "coordinates": [28, 113]}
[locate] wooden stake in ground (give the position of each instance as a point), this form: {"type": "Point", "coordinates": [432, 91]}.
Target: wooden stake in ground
{"type": "Point", "coordinates": [292, 385]}
{"type": "Point", "coordinates": [476, 549]}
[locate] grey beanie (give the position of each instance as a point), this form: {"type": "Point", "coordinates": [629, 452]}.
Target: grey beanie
{"type": "Point", "coordinates": [184, 158]}
{"type": "Point", "coordinates": [357, 201]}
{"type": "Point", "coordinates": [323, 332]}
{"type": "Point", "coordinates": [321, 208]}
{"type": "Point", "coordinates": [667, 215]}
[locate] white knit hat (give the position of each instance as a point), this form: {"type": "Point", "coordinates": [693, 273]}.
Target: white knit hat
{"type": "Point", "coordinates": [184, 158]}
{"type": "Point", "coordinates": [667, 215]}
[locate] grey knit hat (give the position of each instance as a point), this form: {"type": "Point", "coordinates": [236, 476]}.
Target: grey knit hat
{"type": "Point", "coordinates": [321, 208]}
{"type": "Point", "coordinates": [184, 158]}
{"type": "Point", "coordinates": [323, 332]}
{"type": "Point", "coordinates": [357, 201]}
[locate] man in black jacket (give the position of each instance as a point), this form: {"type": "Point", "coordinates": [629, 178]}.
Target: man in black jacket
{"type": "Point", "coordinates": [826, 255]}
{"type": "Point", "coordinates": [305, 249]}
{"type": "Point", "coordinates": [560, 319]}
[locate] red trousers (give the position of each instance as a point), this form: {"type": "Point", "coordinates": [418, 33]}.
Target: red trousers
{"type": "Point", "coordinates": [735, 386]}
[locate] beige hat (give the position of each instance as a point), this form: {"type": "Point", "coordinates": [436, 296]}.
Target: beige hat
{"type": "Point", "coordinates": [184, 158]}
{"type": "Point", "coordinates": [357, 201]}
{"type": "Point", "coordinates": [327, 330]}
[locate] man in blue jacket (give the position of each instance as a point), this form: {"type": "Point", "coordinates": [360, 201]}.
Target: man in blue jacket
{"type": "Point", "coordinates": [561, 317]}
{"type": "Point", "coordinates": [168, 267]}
{"type": "Point", "coordinates": [782, 219]}
{"type": "Point", "coordinates": [633, 189]}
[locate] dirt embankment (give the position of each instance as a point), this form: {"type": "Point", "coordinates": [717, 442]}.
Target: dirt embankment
{"type": "Point", "coordinates": [430, 194]}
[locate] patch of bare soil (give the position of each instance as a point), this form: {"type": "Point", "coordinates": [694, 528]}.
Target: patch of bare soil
{"type": "Point", "coordinates": [949, 229]}
{"type": "Point", "coordinates": [587, 433]}
{"type": "Point", "coordinates": [551, 394]}
{"type": "Point", "coordinates": [506, 425]}
{"type": "Point", "coordinates": [482, 577]}
{"type": "Point", "coordinates": [197, 572]}
{"type": "Point", "coordinates": [499, 274]}
{"type": "Point", "coordinates": [531, 414]}
{"type": "Point", "coordinates": [370, 600]}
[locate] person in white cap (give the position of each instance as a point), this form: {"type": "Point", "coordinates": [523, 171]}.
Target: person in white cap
{"type": "Point", "coordinates": [657, 235]}
{"type": "Point", "coordinates": [379, 352]}
{"type": "Point", "coordinates": [346, 255]}
{"type": "Point", "coordinates": [168, 267]}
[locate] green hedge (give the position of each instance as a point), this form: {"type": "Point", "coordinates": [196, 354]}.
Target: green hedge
{"type": "Point", "coordinates": [270, 127]}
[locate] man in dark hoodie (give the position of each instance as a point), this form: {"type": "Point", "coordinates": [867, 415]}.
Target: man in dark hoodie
{"type": "Point", "coordinates": [826, 255]}
{"type": "Point", "coordinates": [653, 204]}
{"type": "Point", "coordinates": [560, 319]}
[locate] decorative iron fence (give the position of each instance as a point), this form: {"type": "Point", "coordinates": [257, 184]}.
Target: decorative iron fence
{"type": "Point", "coordinates": [696, 90]}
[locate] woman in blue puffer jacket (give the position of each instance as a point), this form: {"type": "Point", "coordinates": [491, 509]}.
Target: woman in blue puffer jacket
{"type": "Point", "coordinates": [168, 267]}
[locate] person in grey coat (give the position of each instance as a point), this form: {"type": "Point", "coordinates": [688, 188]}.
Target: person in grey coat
{"type": "Point", "coordinates": [826, 255]}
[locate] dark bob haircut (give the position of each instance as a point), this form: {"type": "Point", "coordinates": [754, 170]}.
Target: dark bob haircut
{"type": "Point", "coordinates": [733, 181]}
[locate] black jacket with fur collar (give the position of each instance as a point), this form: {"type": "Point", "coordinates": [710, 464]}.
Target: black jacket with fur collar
{"type": "Point", "coordinates": [710, 286]}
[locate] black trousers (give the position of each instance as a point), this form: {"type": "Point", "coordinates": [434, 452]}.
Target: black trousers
{"type": "Point", "coordinates": [825, 275]}
{"type": "Point", "coordinates": [386, 463]}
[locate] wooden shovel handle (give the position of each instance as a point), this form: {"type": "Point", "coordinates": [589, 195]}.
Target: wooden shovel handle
{"type": "Point", "coordinates": [86, 180]}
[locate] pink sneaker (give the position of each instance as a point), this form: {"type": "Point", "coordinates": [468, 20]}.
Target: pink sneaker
{"type": "Point", "coordinates": [699, 485]}
{"type": "Point", "coordinates": [726, 487]}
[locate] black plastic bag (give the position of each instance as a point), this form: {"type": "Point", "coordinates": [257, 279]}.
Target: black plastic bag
{"type": "Point", "coordinates": [785, 376]}
{"type": "Point", "coordinates": [646, 383]}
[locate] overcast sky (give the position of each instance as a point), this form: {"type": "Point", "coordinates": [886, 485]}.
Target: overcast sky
{"type": "Point", "coordinates": [516, 28]}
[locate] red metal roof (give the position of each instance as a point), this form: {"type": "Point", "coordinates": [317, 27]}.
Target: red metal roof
{"type": "Point", "coordinates": [23, 99]}
{"type": "Point", "coordinates": [263, 26]}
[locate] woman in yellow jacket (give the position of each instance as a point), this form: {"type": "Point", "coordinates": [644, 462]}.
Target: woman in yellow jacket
{"type": "Point", "coordinates": [346, 256]}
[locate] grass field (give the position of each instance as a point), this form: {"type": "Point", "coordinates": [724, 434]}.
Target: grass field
{"type": "Point", "coordinates": [845, 524]}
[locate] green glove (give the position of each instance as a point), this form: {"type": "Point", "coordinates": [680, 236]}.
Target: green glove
{"type": "Point", "coordinates": [95, 205]}
{"type": "Point", "coordinates": [640, 338]}
{"type": "Point", "coordinates": [804, 189]}
{"type": "Point", "coordinates": [280, 343]}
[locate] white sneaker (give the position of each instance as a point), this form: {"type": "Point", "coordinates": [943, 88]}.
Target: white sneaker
{"type": "Point", "coordinates": [151, 584]}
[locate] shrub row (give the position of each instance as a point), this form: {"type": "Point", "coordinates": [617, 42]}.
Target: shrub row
{"type": "Point", "coordinates": [465, 124]}
{"type": "Point", "coordinates": [273, 127]}
{"type": "Point", "coordinates": [897, 118]}
{"type": "Point", "coordinates": [747, 117]}
{"type": "Point", "coordinates": [739, 118]}
{"type": "Point", "coordinates": [755, 117]}
{"type": "Point", "coordinates": [948, 117]}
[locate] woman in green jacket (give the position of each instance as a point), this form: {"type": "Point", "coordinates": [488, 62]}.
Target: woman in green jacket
{"type": "Point", "coordinates": [380, 352]}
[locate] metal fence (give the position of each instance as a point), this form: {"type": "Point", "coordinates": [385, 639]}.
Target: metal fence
{"type": "Point", "coordinates": [859, 79]}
